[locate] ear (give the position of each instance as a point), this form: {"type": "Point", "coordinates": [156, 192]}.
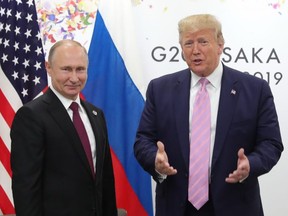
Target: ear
{"type": "Point", "coordinates": [220, 48]}
{"type": "Point", "coordinates": [48, 68]}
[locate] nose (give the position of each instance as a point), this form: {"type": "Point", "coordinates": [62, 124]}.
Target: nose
{"type": "Point", "coordinates": [195, 49]}
{"type": "Point", "coordinates": [73, 76]}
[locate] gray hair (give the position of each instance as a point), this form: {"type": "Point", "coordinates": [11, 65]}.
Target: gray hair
{"type": "Point", "coordinates": [64, 42]}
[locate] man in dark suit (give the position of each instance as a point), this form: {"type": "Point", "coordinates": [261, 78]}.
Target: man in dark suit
{"type": "Point", "coordinates": [51, 172]}
{"type": "Point", "coordinates": [245, 140]}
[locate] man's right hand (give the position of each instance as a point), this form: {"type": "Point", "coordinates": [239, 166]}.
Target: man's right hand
{"type": "Point", "coordinates": [161, 161]}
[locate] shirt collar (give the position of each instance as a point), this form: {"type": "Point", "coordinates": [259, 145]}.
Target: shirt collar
{"type": "Point", "coordinates": [214, 78]}
{"type": "Point", "coordinates": [65, 101]}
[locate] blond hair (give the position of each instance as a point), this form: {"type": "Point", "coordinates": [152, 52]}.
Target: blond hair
{"type": "Point", "coordinates": [199, 22]}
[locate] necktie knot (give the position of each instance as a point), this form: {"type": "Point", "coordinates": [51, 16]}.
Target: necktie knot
{"type": "Point", "coordinates": [203, 81]}
{"type": "Point", "coordinates": [74, 106]}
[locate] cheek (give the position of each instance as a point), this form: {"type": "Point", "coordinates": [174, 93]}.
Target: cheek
{"type": "Point", "coordinates": [186, 54]}
{"type": "Point", "coordinates": [61, 79]}
{"type": "Point", "coordinates": [83, 78]}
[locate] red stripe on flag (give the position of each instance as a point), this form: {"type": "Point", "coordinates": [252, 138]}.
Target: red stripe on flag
{"type": "Point", "coordinates": [5, 204]}
{"type": "Point", "coordinates": [5, 157]}
{"type": "Point", "coordinates": [125, 194]}
{"type": "Point", "coordinates": [6, 109]}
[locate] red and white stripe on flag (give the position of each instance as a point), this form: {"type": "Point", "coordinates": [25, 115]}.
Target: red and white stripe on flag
{"type": "Point", "coordinates": [22, 78]}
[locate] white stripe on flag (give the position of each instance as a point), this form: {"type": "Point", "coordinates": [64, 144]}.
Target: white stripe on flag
{"type": "Point", "coordinates": [5, 182]}
{"type": "Point", "coordinates": [117, 15]}
{"type": "Point", "coordinates": [9, 92]}
{"type": "Point", "coordinates": [5, 132]}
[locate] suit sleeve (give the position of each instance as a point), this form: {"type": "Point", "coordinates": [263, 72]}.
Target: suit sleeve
{"type": "Point", "coordinates": [145, 147]}
{"type": "Point", "coordinates": [27, 150]}
{"type": "Point", "coordinates": [268, 148]}
{"type": "Point", "coordinates": [108, 192]}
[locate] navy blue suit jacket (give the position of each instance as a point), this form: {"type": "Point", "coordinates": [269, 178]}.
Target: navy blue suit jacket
{"type": "Point", "coordinates": [246, 119]}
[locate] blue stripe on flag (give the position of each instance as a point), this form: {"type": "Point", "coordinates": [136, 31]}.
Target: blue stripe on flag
{"type": "Point", "coordinates": [110, 87]}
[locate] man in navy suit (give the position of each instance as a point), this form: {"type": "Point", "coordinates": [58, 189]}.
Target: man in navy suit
{"type": "Point", "coordinates": [245, 135]}
{"type": "Point", "coordinates": [51, 172]}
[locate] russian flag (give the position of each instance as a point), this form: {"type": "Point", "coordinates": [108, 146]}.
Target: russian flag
{"type": "Point", "coordinates": [114, 85]}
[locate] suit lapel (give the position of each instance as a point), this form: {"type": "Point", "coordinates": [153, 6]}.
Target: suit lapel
{"type": "Point", "coordinates": [99, 135]}
{"type": "Point", "coordinates": [60, 115]}
{"type": "Point", "coordinates": [230, 91]}
{"type": "Point", "coordinates": [181, 110]}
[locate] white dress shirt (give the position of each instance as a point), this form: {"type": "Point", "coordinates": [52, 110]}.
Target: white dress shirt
{"type": "Point", "coordinates": [66, 103]}
{"type": "Point", "coordinates": [213, 88]}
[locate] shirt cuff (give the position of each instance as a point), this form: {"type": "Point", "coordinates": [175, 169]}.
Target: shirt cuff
{"type": "Point", "coordinates": [161, 177]}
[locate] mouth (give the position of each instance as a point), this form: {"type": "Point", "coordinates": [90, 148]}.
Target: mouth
{"type": "Point", "coordinates": [73, 87]}
{"type": "Point", "coordinates": [197, 61]}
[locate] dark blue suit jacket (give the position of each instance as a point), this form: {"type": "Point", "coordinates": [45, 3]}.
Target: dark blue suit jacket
{"type": "Point", "coordinates": [246, 119]}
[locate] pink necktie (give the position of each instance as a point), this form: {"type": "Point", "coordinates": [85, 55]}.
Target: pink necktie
{"type": "Point", "coordinates": [78, 123]}
{"type": "Point", "coordinates": [200, 148]}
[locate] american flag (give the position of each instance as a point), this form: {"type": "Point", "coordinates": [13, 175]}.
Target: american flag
{"type": "Point", "coordinates": [22, 77]}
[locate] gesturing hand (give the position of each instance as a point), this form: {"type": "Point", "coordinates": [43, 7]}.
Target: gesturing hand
{"type": "Point", "coordinates": [161, 161]}
{"type": "Point", "coordinates": [242, 171]}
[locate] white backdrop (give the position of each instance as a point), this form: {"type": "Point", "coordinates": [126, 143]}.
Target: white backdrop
{"type": "Point", "coordinates": [256, 41]}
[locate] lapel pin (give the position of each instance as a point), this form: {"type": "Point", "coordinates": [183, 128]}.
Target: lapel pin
{"type": "Point", "coordinates": [94, 112]}
{"type": "Point", "coordinates": [233, 92]}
